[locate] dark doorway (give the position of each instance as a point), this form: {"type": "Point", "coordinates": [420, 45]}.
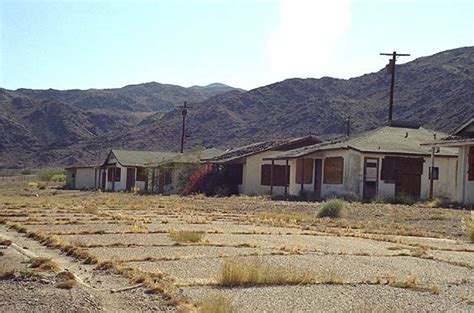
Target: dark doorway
{"type": "Point", "coordinates": [102, 185]}
{"type": "Point", "coordinates": [130, 178]}
{"type": "Point", "coordinates": [371, 170]}
{"type": "Point", "coordinates": [318, 177]}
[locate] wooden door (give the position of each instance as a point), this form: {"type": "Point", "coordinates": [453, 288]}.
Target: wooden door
{"type": "Point", "coordinates": [130, 178]}
{"type": "Point", "coordinates": [161, 181]}
{"type": "Point", "coordinates": [318, 177]}
{"type": "Point", "coordinates": [408, 184]}
{"type": "Point", "coordinates": [102, 185]}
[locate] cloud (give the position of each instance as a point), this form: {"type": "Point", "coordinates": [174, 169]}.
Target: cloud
{"type": "Point", "coordinates": [308, 33]}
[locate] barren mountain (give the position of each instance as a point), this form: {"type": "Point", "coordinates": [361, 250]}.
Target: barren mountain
{"type": "Point", "coordinates": [436, 91]}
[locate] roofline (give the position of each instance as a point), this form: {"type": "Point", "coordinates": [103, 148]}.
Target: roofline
{"type": "Point", "coordinates": [362, 151]}
{"type": "Point", "coordinates": [85, 166]}
{"type": "Point", "coordinates": [450, 143]}
{"type": "Point", "coordinates": [464, 125]}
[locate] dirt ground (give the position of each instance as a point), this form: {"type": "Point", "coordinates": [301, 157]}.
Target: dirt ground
{"type": "Point", "coordinates": [113, 241]}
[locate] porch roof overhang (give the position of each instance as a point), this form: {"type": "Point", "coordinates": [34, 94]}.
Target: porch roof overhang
{"type": "Point", "coordinates": [453, 142]}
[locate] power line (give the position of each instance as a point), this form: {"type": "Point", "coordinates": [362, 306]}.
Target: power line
{"type": "Point", "coordinates": [391, 69]}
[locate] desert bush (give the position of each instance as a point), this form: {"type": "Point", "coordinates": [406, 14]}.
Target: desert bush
{"type": "Point", "coordinates": [348, 196]}
{"type": "Point", "coordinates": [186, 236]}
{"type": "Point", "coordinates": [332, 208]}
{"type": "Point", "coordinates": [211, 181]}
{"type": "Point", "coordinates": [58, 178]}
{"type": "Point", "coordinates": [239, 272]}
{"type": "Point", "coordinates": [215, 305]}
{"type": "Point", "coordinates": [469, 228]}
{"type": "Point", "coordinates": [65, 280]}
{"type": "Point", "coordinates": [401, 199]}
{"type": "Point", "coordinates": [45, 174]}
{"type": "Point", "coordinates": [26, 172]}
{"type": "Point", "coordinates": [44, 264]}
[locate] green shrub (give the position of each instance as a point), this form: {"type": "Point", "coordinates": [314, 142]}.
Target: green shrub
{"type": "Point", "coordinates": [58, 178]}
{"type": "Point", "coordinates": [332, 208]}
{"type": "Point", "coordinates": [401, 199]}
{"type": "Point", "coordinates": [46, 174]}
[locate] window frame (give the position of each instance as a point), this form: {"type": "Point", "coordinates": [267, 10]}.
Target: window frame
{"type": "Point", "coordinates": [332, 181]}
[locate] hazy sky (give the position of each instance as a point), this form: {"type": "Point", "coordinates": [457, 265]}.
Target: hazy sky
{"type": "Point", "coordinates": [99, 44]}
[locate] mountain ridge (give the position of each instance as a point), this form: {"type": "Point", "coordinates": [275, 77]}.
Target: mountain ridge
{"type": "Point", "coordinates": [436, 91]}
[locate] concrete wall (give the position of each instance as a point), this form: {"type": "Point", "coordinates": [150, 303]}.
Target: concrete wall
{"type": "Point", "coordinates": [252, 175]}
{"type": "Point", "coordinates": [353, 178]}
{"type": "Point", "coordinates": [79, 178]}
{"type": "Point", "coordinates": [349, 181]}
{"type": "Point", "coordinates": [85, 178]}
{"type": "Point", "coordinates": [465, 190]}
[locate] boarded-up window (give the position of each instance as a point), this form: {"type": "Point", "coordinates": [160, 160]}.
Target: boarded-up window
{"type": "Point", "coordinates": [235, 172]}
{"type": "Point", "coordinates": [278, 175]}
{"type": "Point", "coordinates": [333, 170]}
{"type": "Point", "coordinates": [470, 164]}
{"type": "Point", "coordinates": [142, 174]}
{"type": "Point", "coordinates": [393, 166]}
{"type": "Point", "coordinates": [114, 174]}
{"type": "Point", "coordinates": [308, 171]}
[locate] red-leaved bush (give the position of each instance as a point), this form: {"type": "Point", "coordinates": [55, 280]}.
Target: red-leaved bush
{"type": "Point", "coordinates": [211, 181]}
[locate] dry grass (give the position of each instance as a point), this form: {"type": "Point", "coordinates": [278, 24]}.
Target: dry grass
{"type": "Point", "coordinates": [216, 305]}
{"type": "Point", "coordinates": [186, 236]}
{"type": "Point", "coordinates": [332, 279]}
{"type": "Point", "coordinates": [65, 280]}
{"type": "Point", "coordinates": [7, 274]}
{"type": "Point", "coordinates": [138, 228]}
{"type": "Point", "coordinates": [5, 242]}
{"type": "Point", "coordinates": [469, 228]}
{"type": "Point", "coordinates": [284, 218]}
{"type": "Point", "coordinates": [44, 264]}
{"type": "Point", "coordinates": [240, 272]}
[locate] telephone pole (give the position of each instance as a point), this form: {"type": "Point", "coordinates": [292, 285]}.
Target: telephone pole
{"type": "Point", "coordinates": [391, 69]}
{"type": "Point", "coordinates": [184, 112]}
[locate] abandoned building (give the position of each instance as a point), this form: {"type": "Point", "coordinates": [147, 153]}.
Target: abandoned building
{"type": "Point", "coordinates": [125, 170]}
{"type": "Point", "coordinates": [246, 166]}
{"type": "Point", "coordinates": [462, 139]}
{"type": "Point", "coordinates": [384, 162]}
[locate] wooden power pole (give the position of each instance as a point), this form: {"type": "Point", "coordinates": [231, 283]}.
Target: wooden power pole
{"type": "Point", "coordinates": [391, 69]}
{"type": "Point", "coordinates": [184, 112]}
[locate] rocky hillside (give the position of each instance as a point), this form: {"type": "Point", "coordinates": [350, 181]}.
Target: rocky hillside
{"type": "Point", "coordinates": [436, 91]}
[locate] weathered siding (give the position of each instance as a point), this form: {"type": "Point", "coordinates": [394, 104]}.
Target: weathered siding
{"type": "Point", "coordinates": [465, 191]}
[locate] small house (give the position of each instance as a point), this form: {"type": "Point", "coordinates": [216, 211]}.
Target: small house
{"type": "Point", "coordinates": [462, 139]}
{"type": "Point", "coordinates": [247, 169]}
{"type": "Point", "coordinates": [81, 177]}
{"type": "Point", "coordinates": [381, 163]}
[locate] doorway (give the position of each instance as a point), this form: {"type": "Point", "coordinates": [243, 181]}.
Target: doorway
{"type": "Point", "coordinates": [130, 178]}
{"type": "Point", "coordinates": [371, 178]}
{"type": "Point", "coordinates": [318, 177]}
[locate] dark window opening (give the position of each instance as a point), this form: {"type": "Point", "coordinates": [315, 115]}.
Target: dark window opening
{"type": "Point", "coordinates": [142, 174]}
{"type": "Point", "coordinates": [278, 175]}
{"type": "Point", "coordinates": [435, 173]}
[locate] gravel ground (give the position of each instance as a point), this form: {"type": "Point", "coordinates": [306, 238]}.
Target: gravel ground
{"type": "Point", "coordinates": [350, 268]}
{"type": "Point", "coordinates": [171, 251]}
{"type": "Point", "coordinates": [331, 298]}
{"type": "Point", "coordinates": [329, 244]}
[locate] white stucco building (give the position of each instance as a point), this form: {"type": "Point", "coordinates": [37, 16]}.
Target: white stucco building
{"type": "Point", "coordinates": [462, 139]}
{"type": "Point", "coordinates": [248, 170]}
{"type": "Point", "coordinates": [384, 162]}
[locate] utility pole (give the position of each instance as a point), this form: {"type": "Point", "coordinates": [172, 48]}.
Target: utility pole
{"type": "Point", "coordinates": [391, 69]}
{"type": "Point", "coordinates": [184, 112]}
{"type": "Point", "coordinates": [348, 126]}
